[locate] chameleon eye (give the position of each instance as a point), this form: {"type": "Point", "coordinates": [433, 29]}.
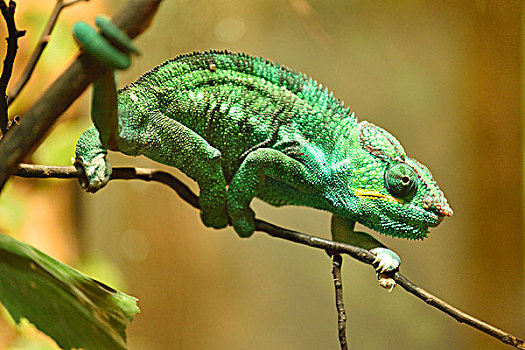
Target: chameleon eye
{"type": "Point", "coordinates": [401, 180]}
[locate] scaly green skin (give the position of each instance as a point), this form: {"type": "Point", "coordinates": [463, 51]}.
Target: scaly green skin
{"type": "Point", "coordinates": [243, 127]}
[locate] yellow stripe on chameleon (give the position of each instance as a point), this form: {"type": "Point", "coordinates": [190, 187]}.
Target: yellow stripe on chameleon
{"type": "Point", "coordinates": [375, 194]}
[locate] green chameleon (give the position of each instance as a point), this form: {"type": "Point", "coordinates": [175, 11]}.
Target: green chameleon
{"type": "Point", "coordinates": [243, 127]}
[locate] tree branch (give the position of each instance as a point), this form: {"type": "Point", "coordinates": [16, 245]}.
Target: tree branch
{"type": "Point", "coordinates": [133, 18]}
{"type": "Point", "coordinates": [311, 24]}
{"type": "Point", "coordinates": [39, 49]}
{"type": "Point", "coordinates": [8, 12]}
{"type": "Point", "coordinates": [337, 262]}
{"type": "Point", "coordinates": [363, 255]}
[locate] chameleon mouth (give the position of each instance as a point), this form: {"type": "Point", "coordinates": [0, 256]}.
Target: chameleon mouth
{"type": "Point", "coordinates": [375, 195]}
{"type": "Point", "coordinates": [439, 219]}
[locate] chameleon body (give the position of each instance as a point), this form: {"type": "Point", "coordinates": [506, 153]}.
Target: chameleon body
{"type": "Point", "coordinates": [244, 127]}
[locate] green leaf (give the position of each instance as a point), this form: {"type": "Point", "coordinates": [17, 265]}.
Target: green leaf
{"type": "Point", "coordinates": [73, 309]}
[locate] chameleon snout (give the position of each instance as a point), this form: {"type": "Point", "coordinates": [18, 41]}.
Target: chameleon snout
{"type": "Point", "coordinates": [442, 210]}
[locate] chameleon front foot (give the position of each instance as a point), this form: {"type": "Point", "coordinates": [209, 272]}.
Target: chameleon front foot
{"type": "Point", "coordinates": [386, 260]}
{"type": "Point", "coordinates": [243, 222]}
{"type": "Point", "coordinates": [214, 219]}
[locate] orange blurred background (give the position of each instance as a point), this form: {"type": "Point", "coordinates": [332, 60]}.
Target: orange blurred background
{"type": "Point", "coordinates": [444, 77]}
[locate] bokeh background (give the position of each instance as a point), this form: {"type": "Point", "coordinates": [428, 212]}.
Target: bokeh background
{"type": "Point", "coordinates": [444, 77]}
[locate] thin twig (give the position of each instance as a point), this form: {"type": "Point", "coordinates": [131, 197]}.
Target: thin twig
{"type": "Point", "coordinates": [311, 25]}
{"type": "Point", "coordinates": [8, 12]}
{"type": "Point", "coordinates": [133, 18]}
{"type": "Point", "coordinates": [69, 3]}
{"type": "Point", "coordinates": [39, 49]}
{"type": "Point", "coordinates": [363, 255]}
{"type": "Point", "coordinates": [337, 263]}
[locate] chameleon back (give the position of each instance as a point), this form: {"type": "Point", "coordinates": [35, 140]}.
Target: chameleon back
{"type": "Point", "coordinates": [237, 102]}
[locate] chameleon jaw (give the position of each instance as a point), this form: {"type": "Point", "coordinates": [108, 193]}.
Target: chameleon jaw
{"type": "Point", "coordinates": [415, 228]}
{"type": "Point", "coordinates": [371, 194]}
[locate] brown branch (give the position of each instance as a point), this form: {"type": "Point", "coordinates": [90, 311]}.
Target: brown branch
{"type": "Point", "coordinates": [8, 12]}
{"type": "Point", "coordinates": [337, 262]}
{"type": "Point", "coordinates": [133, 18]}
{"type": "Point", "coordinates": [39, 49]}
{"type": "Point", "coordinates": [363, 255]}
{"type": "Point", "coordinates": [311, 25]}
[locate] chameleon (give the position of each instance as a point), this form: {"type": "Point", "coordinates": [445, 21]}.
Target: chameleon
{"type": "Point", "coordinates": [245, 127]}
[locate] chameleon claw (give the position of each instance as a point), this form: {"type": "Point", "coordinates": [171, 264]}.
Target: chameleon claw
{"type": "Point", "coordinates": [382, 264]}
{"type": "Point", "coordinates": [386, 282]}
{"type": "Point", "coordinates": [386, 260]}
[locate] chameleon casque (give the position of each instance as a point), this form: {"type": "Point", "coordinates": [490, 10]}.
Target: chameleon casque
{"type": "Point", "coordinates": [244, 127]}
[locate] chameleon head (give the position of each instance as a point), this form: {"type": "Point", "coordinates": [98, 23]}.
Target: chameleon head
{"type": "Point", "coordinates": [390, 192]}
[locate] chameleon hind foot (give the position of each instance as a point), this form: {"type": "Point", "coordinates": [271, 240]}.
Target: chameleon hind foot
{"type": "Point", "coordinates": [255, 168]}
{"type": "Point", "coordinates": [91, 163]}
{"type": "Point", "coordinates": [244, 224]}
{"type": "Point", "coordinates": [213, 216]}
{"type": "Point", "coordinates": [93, 175]}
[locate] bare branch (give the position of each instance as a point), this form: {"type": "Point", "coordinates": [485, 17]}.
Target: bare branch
{"type": "Point", "coordinates": [8, 12]}
{"type": "Point", "coordinates": [69, 3]}
{"type": "Point", "coordinates": [122, 173]}
{"type": "Point", "coordinates": [311, 25]}
{"type": "Point", "coordinates": [337, 263]}
{"type": "Point", "coordinates": [39, 49]}
{"type": "Point", "coordinates": [363, 255]}
{"type": "Point", "coordinates": [133, 18]}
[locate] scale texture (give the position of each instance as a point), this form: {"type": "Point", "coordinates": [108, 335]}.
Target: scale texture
{"type": "Point", "coordinates": [244, 127]}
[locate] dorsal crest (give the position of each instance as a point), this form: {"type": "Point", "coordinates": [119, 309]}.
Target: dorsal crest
{"type": "Point", "coordinates": [198, 68]}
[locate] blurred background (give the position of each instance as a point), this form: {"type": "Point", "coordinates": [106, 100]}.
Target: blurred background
{"type": "Point", "coordinates": [444, 77]}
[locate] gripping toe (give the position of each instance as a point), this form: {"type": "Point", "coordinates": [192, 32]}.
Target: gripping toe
{"type": "Point", "coordinates": [215, 220]}
{"type": "Point", "coordinates": [386, 282]}
{"type": "Point", "coordinates": [244, 225]}
{"type": "Point", "coordinates": [386, 260]}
